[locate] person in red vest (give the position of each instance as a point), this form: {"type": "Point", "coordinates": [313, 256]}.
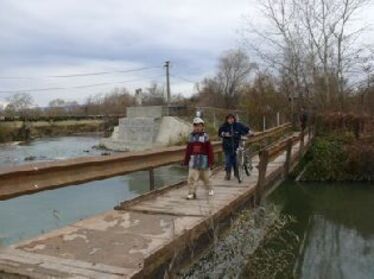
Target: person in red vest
{"type": "Point", "coordinates": [199, 158]}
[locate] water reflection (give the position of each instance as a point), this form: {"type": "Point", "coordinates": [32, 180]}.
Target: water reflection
{"type": "Point", "coordinates": [337, 228]}
{"type": "Point", "coordinates": [336, 251]}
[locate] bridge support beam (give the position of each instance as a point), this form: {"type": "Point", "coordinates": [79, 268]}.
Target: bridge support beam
{"type": "Point", "coordinates": [151, 179]}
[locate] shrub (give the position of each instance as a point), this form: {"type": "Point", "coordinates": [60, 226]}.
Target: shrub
{"type": "Point", "coordinates": [340, 158]}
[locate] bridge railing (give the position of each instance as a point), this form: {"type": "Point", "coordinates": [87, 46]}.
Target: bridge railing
{"type": "Point", "coordinates": [31, 178]}
{"type": "Point", "coordinates": [272, 152]}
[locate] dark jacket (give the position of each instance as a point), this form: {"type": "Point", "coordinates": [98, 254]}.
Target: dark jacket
{"type": "Point", "coordinates": [236, 130]}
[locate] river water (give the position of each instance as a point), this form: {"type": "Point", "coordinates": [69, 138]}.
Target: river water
{"type": "Point", "coordinates": [28, 216]}
{"type": "Point", "coordinates": [58, 148]}
{"type": "Point", "coordinates": [335, 228]}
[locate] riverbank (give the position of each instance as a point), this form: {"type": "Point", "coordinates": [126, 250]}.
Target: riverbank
{"type": "Point", "coordinates": [343, 150]}
{"type": "Point", "coordinates": [338, 158]}
{"type": "Point", "coordinates": [21, 130]}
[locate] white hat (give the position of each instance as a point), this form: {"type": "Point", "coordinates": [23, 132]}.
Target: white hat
{"type": "Point", "coordinates": [198, 120]}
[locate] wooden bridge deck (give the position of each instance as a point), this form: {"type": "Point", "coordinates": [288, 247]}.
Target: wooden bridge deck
{"type": "Point", "coordinates": [133, 242]}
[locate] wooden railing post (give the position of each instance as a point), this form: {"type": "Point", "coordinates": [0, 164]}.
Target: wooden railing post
{"type": "Point", "coordinates": [301, 150]}
{"type": "Point", "coordinates": [264, 158]}
{"type": "Point", "coordinates": [287, 166]}
{"type": "Point", "coordinates": [309, 134]}
{"type": "Point", "coordinates": [151, 179]}
{"type": "Point", "coordinates": [220, 158]}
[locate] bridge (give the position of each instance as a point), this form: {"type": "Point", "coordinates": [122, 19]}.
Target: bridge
{"type": "Point", "coordinates": [152, 234]}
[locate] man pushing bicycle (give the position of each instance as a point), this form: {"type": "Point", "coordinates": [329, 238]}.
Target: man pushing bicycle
{"type": "Point", "coordinates": [231, 132]}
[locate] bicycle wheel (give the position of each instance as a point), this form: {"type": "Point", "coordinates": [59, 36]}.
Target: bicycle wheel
{"type": "Point", "coordinates": [248, 165]}
{"type": "Point", "coordinates": [239, 166]}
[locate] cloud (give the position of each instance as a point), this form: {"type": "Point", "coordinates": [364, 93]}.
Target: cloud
{"type": "Point", "coordinates": [43, 37]}
{"type": "Point", "coordinates": [40, 37]}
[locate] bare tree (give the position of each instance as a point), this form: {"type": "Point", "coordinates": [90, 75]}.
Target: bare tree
{"type": "Point", "coordinates": [232, 74]}
{"type": "Point", "coordinates": [154, 95]}
{"type": "Point", "coordinates": [19, 104]}
{"type": "Point", "coordinates": [114, 102]}
{"type": "Point", "coordinates": [21, 101]}
{"type": "Point", "coordinates": [309, 42]}
{"type": "Point", "coordinates": [326, 23]}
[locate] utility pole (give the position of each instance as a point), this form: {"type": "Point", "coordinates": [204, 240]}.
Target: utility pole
{"type": "Point", "coordinates": [168, 96]}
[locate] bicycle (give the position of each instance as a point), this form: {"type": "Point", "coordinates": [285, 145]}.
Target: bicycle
{"type": "Point", "coordinates": [243, 160]}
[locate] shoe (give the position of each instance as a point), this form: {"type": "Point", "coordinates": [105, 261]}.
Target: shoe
{"type": "Point", "coordinates": [211, 193]}
{"type": "Point", "coordinates": [191, 196]}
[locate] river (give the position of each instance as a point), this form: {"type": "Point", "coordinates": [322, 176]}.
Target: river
{"type": "Point", "coordinates": [44, 149]}
{"type": "Point", "coordinates": [28, 216]}
{"type": "Point", "coordinates": [335, 225]}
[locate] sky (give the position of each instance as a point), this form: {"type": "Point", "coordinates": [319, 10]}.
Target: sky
{"type": "Point", "coordinates": [49, 43]}
{"type": "Point", "coordinates": [44, 38]}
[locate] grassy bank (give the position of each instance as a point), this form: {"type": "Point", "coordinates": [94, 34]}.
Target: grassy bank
{"type": "Point", "coordinates": [20, 131]}
{"type": "Point", "coordinates": [340, 153]}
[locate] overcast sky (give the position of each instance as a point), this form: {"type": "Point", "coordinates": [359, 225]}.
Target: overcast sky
{"type": "Point", "coordinates": [40, 38]}
{"type": "Point", "coordinates": [43, 38]}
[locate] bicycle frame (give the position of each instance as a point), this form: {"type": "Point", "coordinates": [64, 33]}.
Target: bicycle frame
{"type": "Point", "coordinates": [243, 160]}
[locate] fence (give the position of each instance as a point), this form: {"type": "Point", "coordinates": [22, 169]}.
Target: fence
{"type": "Point", "coordinates": [214, 117]}
{"type": "Point", "coordinates": [270, 153]}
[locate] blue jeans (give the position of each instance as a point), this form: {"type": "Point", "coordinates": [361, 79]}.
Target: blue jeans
{"type": "Point", "coordinates": [230, 160]}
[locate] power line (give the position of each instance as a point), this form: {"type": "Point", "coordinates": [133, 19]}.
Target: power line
{"type": "Point", "coordinates": [83, 74]}
{"type": "Point", "coordinates": [72, 87]}
{"type": "Point", "coordinates": [105, 73]}
{"type": "Point", "coordinates": [185, 79]}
